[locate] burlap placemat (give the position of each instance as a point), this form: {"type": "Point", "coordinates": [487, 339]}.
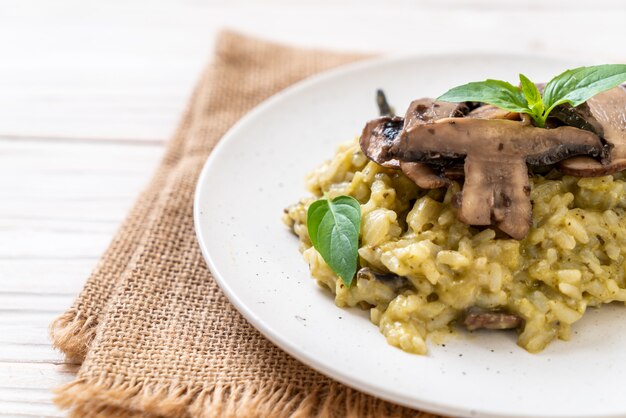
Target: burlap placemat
{"type": "Point", "coordinates": [154, 332]}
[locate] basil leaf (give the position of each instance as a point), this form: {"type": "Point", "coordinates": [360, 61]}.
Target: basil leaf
{"type": "Point", "coordinates": [495, 92]}
{"type": "Point", "coordinates": [334, 227]}
{"type": "Point", "coordinates": [532, 95]}
{"type": "Point", "coordinates": [580, 84]}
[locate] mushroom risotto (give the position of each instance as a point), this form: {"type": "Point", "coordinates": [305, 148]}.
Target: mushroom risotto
{"type": "Point", "coordinates": [473, 216]}
{"type": "Point", "coordinates": [437, 270]}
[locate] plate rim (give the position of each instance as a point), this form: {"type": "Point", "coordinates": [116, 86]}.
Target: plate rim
{"type": "Point", "coordinates": [267, 330]}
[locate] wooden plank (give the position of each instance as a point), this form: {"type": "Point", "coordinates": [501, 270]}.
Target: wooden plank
{"type": "Point", "coordinates": [25, 388]}
{"type": "Point", "coordinates": [34, 376]}
{"type": "Point", "coordinates": [45, 276]}
{"type": "Point", "coordinates": [28, 319]}
{"type": "Point", "coordinates": [28, 410]}
{"type": "Point", "coordinates": [34, 302]}
{"type": "Point", "coordinates": [24, 336]}
{"type": "Point", "coordinates": [24, 321]}
{"type": "Point", "coordinates": [53, 240]}
{"type": "Point", "coordinates": [25, 395]}
{"type": "Point", "coordinates": [30, 353]}
{"type": "Point", "coordinates": [19, 334]}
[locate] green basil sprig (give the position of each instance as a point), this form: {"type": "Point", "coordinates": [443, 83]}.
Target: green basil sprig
{"type": "Point", "coordinates": [573, 86]}
{"type": "Point", "coordinates": [334, 227]}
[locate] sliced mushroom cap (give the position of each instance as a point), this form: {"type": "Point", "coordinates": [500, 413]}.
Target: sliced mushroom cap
{"type": "Point", "coordinates": [423, 175]}
{"type": "Point", "coordinates": [608, 110]}
{"type": "Point", "coordinates": [427, 110]}
{"type": "Point", "coordinates": [496, 188]}
{"type": "Point", "coordinates": [380, 133]}
{"type": "Point", "coordinates": [378, 136]}
{"type": "Point", "coordinates": [476, 318]}
{"type": "Point", "coordinates": [579, 117]}
{"type": "Point", "coordinates": [420, 112]}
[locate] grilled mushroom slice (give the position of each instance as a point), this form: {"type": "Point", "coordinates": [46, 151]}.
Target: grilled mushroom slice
{"type": "Point", "coordinates": [477, 318]}
{"type": "Point", "coordinates": [423, 175]}
{"type": "Point", "coordinates": [378, 136]}
{"type": "Point", "coordinates": [608, 111]}
{"type": "Point", "coordinates": [421, 112]}
{"type": "Point", "coordinates": [579, 117]}
{"type": "Point", "coordinates": [379, 133]}
{"type": "Point", "coordinates": [426, 110]}
{"type": "Point", "coordinates": [496, 152]}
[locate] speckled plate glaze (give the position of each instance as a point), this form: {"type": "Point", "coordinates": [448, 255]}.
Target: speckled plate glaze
{"type": "Point", "coordinates": [258, 169]}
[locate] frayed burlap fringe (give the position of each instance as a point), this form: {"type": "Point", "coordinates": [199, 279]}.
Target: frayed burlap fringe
{"type": "Point", "coordinates": [73, 333]}
{"type": "Point", "coordinates": [141, 400]}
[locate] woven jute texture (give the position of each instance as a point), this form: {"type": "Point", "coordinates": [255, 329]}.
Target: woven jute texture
{"type": "Point", "coordinates": [155, 335]}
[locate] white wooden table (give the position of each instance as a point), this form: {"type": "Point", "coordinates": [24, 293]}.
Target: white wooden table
{"type": "Point", "coordinates": [90, 91]}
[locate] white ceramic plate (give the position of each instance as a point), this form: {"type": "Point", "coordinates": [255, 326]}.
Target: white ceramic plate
{"type": "Point", "coordinates": [258, 169]}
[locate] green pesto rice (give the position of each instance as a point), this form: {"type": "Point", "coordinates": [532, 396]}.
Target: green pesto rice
{"type": "Point", "coordinates": [572, 258]}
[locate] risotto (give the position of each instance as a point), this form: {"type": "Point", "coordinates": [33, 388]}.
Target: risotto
{"type": "Point", "coordinates": [439, 268]}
